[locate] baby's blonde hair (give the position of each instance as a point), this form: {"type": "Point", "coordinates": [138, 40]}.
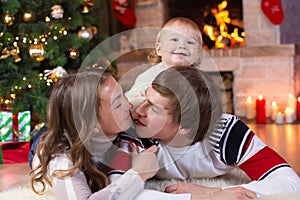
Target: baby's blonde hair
{"type": "Point", "coordinates": [181, 22]}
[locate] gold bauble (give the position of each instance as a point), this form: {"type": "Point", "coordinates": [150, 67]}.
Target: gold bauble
{"type": "Point", "coordinates": [8, 19]}
{"type": "Point", "coordinates": [37, 51]}
{"type": "Point", "coordinates": [28, 17]}
{"type": "Point", "coordinates": [73, 53]}
{"type": "Point", "coordinates": [85, 33]}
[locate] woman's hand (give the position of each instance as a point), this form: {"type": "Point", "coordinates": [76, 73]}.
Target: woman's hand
{"type": "Point", "coordinates": [145, 163]}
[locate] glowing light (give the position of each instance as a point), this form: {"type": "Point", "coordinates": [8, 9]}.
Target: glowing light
{"type": "Point", "coordinates": [13, 96]}
{"type": "Point", "coordinates": [47, 19]}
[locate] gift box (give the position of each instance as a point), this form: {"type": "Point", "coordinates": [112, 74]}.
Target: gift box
{"type": "Point", "coordinates": [14, 152]}
{"type": "Point", "coordinates": [14, 127]}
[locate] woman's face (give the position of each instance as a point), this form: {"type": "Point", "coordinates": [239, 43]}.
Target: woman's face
{"type": "Point", "coordinates": [114, 108]}
{"type": "Point", "coordinates": [153, 119]}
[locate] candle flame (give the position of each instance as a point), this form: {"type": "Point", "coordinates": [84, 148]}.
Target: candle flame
{"type": "Point", "coordinates": [249, 99]}
{"type": "Point", "coordinates": [291, 95]}
{"type": "Point", "coordinates": [288, 110]}
{"type": "Point", "coordinates": [260, 97]}
{"type": "Point", "coordinates": [299, 99]}
{"type": "Point", "coordinates": [274, 104]}
{"type": "Point", "coordinates": [279, 113]}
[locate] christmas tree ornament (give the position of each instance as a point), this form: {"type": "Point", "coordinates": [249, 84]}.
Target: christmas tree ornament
{"type": "Point", "coordinates": [85, 6]}
{"type": "Point", "coordinates": [55, 73]}
{"type": "Point", "coordinates": [37, 51]}
{"type": "Point", "coordinates": [124, 12]}
{"type": "Point", "coordinates": [14, 52]}
{"type": "Point", "coordinates": [28, 17]}
{"type": "Point", "coordinates": [73, 53]}
{"type": "Point", "coordinates": [85, 33]}
{"type": "Point", "coordinates": [94, 30]}
{"type": "Point", "coordinates": [273, 10]}
{"type": "Point", "coordinates": [8, 19]}
{"type": "Point", "coordinates": [57, 12]}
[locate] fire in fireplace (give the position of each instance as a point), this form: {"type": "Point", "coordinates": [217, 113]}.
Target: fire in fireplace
{"type": "Point", "coordinates": [221, 21]}
{"type": "Point", "coordinates": [218, 30]}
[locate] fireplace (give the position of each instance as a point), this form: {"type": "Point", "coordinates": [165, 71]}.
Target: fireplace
{"type": "Point", "coordinates": [268, 63]}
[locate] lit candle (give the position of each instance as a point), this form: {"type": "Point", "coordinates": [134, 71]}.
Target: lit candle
{"type": "Point", "coordinates": [250, 108]}
{"type": "Point", "coordinates": [291, 103]}
{"type": "Point", "coordinates": [289, 118]}
{"type": "Point", "coordinates": [298, 108]}
{"type": "Point", "coordinates": [261, 110]}
{"type": "Point", "coordinates": [279, 119]}
{"type": "Point", "coordinates": [274, 109]}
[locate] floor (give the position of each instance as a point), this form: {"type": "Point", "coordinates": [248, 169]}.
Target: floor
{"type": "Point", "coordinates": [285, 139]}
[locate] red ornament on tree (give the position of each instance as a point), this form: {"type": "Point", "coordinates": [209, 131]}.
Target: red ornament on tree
{"type": "Point", "coordinates": [124, 12]}
{"type": "Point", "coordinates": [273, 10]}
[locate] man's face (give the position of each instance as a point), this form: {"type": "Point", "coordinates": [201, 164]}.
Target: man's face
{"type": "Point", "coordinates": [153, 120]}
{"type": "Point", "coordinates": [114, 108]}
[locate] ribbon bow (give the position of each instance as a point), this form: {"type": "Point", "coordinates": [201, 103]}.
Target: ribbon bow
{"type": "Point", "coordinates": [13, 52]}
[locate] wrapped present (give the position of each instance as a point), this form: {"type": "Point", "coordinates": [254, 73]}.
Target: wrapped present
{"type": "Point", "coordinates": [6, 133]}
{"type": "Point", "coordinates": [15, 127]}
{"type": "Point", "coordinates": [24, 126]}
{"type": "Point", "coordinates": [14, 152]}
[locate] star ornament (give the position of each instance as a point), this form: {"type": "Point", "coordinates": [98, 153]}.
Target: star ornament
{"type": "Point", "coordinates": [275, 9]}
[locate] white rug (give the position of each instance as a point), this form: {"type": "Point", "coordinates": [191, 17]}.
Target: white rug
{"type": "Point", "coordinates": [24, 192]}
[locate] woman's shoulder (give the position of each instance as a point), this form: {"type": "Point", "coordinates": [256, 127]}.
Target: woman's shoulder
{"type": "Point", "coordinates": [60, 162]}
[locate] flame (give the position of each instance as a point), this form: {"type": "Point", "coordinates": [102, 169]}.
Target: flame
{"type": "Point", "coordinates": [218, 35]}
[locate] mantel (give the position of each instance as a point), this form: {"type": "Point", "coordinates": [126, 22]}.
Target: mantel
{"type": "Point", "coordinates": [281, 50]}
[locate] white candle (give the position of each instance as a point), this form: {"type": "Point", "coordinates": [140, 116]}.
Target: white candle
{"type": "Point", "coordinates": [274, 109]}
{"type": "Point", "coordinates": [250, 108]}
{"type": "Point", "coordinates": [279, 118]}
{"type": "Point", "coordinates": [289, 118]}
{"type": "Point", "coordinates": [291, 103]}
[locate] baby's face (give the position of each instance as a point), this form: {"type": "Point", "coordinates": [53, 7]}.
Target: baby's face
{"type": "Point", "coordinates": [178, 46]}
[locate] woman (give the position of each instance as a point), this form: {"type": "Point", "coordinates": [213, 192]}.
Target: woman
{"type": "Point", "coordinates": [85, 113]}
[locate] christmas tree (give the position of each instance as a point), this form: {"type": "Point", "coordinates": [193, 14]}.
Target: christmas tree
{"type": "Point", "coordinates": [37, 36]}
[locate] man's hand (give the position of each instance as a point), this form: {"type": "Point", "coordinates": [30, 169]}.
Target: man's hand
{"type": "Point", "coordinates": [180, 188]}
